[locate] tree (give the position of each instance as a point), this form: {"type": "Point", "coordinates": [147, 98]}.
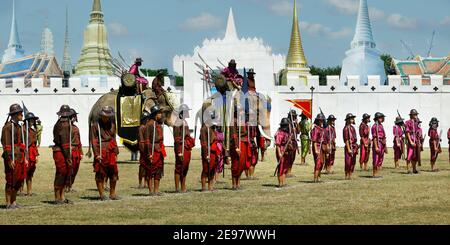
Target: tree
{"type": "Point", "coordinates": [389, 65]}
{"type": "Point", "coordinates": [324, 72]}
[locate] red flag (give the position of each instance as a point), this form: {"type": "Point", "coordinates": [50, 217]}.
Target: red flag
{"type": "Point", "coordinates": [304, 105]}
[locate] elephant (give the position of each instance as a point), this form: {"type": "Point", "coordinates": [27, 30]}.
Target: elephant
{"type": "Point", "coordinates": [149, 100]}
{"type": "Point", "coordinates": [223, 105]}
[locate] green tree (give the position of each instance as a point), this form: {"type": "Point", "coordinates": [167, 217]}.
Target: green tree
{"type": "Point", "coordinates": [389, 65]}
{"type": "Point", "coordinates": [324, 72]}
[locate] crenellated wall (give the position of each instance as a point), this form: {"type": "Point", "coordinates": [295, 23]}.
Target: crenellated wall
{"type": "Point", "coordinates": [430, 100]}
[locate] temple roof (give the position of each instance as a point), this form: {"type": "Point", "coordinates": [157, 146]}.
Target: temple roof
{"type": "Point", "coordinates": [296, 56]}
{"type": "Point", "coordinates": [363, 34]}
{"type": "Point", "coordinates": [28, 67]}
{"type": "Point", "coordinates": [423, 66]}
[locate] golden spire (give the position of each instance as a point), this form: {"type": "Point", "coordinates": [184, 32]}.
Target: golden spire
{"type": "Point", "coordinates": [296, 56]}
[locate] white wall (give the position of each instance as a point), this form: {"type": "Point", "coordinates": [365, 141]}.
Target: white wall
{"type": "Point", "coordinates": [45, 102]}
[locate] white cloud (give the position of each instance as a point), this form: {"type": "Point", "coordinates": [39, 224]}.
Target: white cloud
{"type": "Point", "coordinates": [202, 22]}
{"type": "Point", "coordinates": [446, 21]}
{"type": "Point", "coordinates": [400, 21]}
{"type": "Point", "coordinates": [317, 29]}
{"type": "Point", "coordinates": [345, 6]}
{"type": "Point", "coordinates": [117, 29]}
{"type": "Point", "coordinates": [283, 8]}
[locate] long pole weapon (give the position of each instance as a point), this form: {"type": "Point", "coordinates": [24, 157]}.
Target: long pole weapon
{"type": "Point", "coordinates": [295, 129]}
{"type": "Point", "coordinates": [182, 150]}
{"type": "Point", "coordinates": [100, 142]}
{"type": "Point", "coordinates": [27, 154]}
{"type": "Point", "coordinates": [209, 153]}
{"type": "Point", "coordinates": [153, 139]}
{"type": "Point", "coordinates": [70, 152]}
{"type": "Point", "coordinates": [12, 148]}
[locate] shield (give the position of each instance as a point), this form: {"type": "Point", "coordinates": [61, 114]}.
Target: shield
{"type": "Point", "coordinates": [128, 80]}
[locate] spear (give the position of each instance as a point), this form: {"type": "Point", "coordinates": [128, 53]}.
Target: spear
{"type": "Point", "coordinates": [182, 150]}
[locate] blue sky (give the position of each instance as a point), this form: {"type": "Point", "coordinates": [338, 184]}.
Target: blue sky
{"type": "Point", "coordinates": [159, 29]}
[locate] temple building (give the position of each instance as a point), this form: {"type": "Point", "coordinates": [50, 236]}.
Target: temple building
{"type": "Point", "coordinates": [363, 59]}
{"type": "Point", "coordinates": [14, 49]}
{"type": "Point", "coordinates": [67, 61]}
{"type": "Point", "coordinates": [296, 65]}
{"type": "Point", "coordinates": [424, 67]}
{"type": "Point", "coordinates": [47, 47]}
{"type": "Point", "coordinates": [40, 65]}
{"type": "Point", "coordinates": [95, 58]}
{"type": "Point", "coordinates": [248, 53]}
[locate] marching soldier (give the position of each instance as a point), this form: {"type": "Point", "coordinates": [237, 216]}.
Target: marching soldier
{"type": "Point", "coordinates": [32, 150]}
{"type": "Point", "coordinates": [295, 128]}
{"type": "Point", "coordinates": [305, 140]}
{"type": "Point", "coordinates": [282, 143]}
{"type": "Point", "coordinates": [13, 155]}
{"type": "Point", "coordinates": [330, 135]}
{"type": "Point", "coordinates": [157, 151]}
{"type": "Point", "coordinates": [77, 148]}
{"type": "Point", "coordinates": [144, 143]}
{"type": "Point", "coordinates": [364, 133]}
{"type": "Point", "coordinates": [379, 143]}
{"type": "Point", "coordinates": [239, 147]}
{"type": "Point", "coordinates": [399, 143]}
{"type": "Point", "coordinates": [208, 141]}
{"type": "Point", "coordinates": [318, 138]}
{"type": "Point", "coordinates": [62, 154]}
{"type": "Point", "coordinates": [105, 152]}
{"type": "Point", "coordinates": [183, 147]}
{"type": "Point", "coordinates": [435, 143]}
{"type": "Point", "coordinates": [351, 145]}
{"type": "Point", "coordinates": [413, 141]}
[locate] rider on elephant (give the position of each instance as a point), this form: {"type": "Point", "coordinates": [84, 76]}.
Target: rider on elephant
{"type": "Point", "coordinates": [142, 83]}
{"type": "Point", "coordinates": [157, 84]}
{"type": "Point", "coordinates": [232, 75]}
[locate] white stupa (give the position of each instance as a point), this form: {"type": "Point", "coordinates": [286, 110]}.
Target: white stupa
{"type": "Point", "coordinates": [47, 47]}
{"type": "Point", "coordinates": [363, 59]}
{"type": "Point", "coordinates": [248, 53]}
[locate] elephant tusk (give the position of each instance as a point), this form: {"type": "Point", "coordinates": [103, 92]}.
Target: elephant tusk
{"type": "Point", "coordinates": [264, 133]}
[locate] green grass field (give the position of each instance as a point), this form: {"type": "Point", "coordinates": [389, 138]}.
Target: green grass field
{"type": "Point", "coordinates": [398, 198]}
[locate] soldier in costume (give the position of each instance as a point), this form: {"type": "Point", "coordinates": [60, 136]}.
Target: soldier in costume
{"type": "Point", "coordinates": [157, 84]}
{"type": "Point", "coordinates": [413, 141]}
{"type": "Point", "coordinates": [61, 154]}
{"type": "Point", "coordinates": [144, 142]}
{"type": "Point", "coordinates": [305, 140]}
{"type": "Point", "coordinates": [232, 75]}
{"type": "Point", "coordinates": [330, 136]}
{"type": "Point", "coordinates": [365, 142]}
{"type": "Point", "coordinates": [435, 143]}
{"type": "Point", "coordinates": [399, 140]}
{"type": "Point", "coordinates": [105, 152]}
{"type": "Point", "coordinates": [39, 129]}
{"type": "Point", "coordinates": [209, 151]}
{"type": "Point", "coordinates": [142, 83]}
{"type": "Point", "coordinates": [32, 152]}
{"type": "Point", "coordinates": [294, 129]}
{"type": "Point", "coordinates": [379, 143]}
{"type": "Point", "coordinates": [183, 144]}
{"type": "Point", "coordinates": [13, 155]}
{"type": "Point", "coordinates": [77, 148]}
{"type": "Point", "coordinates": [351, 145]}
{"type": "Point", "coordinates": [282, 143]}
{"type": "Point", "coordinates": [318, 139]}
{"type": "Point", "coordinates": [157, 150]}
{"type": "Point", "coordinates": [240, 155]}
